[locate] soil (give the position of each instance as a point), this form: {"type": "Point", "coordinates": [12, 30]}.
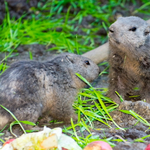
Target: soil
{"type": "Point", "coordinates": [40, 53]}
{"type": "Point", "coordinates": [17, 8]}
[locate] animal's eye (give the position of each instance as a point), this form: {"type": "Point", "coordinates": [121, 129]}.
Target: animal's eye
{"type": "Point", "coordinates": [87, 62]}
{"type": "Point", "coordinates": [146, 33]}
{"type": "Point", "coordinates": [132, 29]}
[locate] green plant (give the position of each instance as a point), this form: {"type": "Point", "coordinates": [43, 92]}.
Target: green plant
{"type": "Point", "coordinates": [17, 121]}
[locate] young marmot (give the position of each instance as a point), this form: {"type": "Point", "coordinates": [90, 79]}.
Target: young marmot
{"type": "Point", "coordinates": [30, 89]}
{"type": "Point", "coordinates": [129, 59]}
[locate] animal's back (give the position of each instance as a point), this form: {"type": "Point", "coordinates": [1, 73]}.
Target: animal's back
{"type": "Point", "coordinates": [19, 81]}
{"type": "Point", "coordinates": [21, 91]}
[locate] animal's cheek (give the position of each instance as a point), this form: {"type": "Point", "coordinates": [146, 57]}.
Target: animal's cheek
{"type": "Point", "coordinates": [85, 65]}
{"type": "Point", "coordinates": [121, 35]}
{"type": "Point", "coordinates": [138, 41]}
{"type": "Point", "coordinates": [147, 39]}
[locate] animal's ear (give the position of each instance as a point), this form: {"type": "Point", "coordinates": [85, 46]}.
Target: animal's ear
{"type": "Point", "coordinates": [69, 58]}
{"type": "Point", "coordinates": [147, 30]}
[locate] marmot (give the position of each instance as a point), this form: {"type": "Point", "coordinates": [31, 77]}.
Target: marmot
{"type": "Point", "coordinates": [30, 89]}
{"type": "Point", "coordinates": [129, 59]}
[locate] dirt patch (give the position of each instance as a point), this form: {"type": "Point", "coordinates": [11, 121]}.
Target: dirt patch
{"type": "Point", "coordinates": [38, 52]}
{"type": "Point", "coordinates": [128, 146]}
{"type": "Point", "coordinates": [17, 8]}
{"type": "Point", "coordinates": [127, 120]}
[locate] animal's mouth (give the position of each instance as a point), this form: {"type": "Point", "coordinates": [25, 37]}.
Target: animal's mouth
{"type": "Point", "coordinates": [113, 40]}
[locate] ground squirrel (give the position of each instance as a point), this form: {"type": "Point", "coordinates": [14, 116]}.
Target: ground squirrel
{"type": "Point", "coordinates": [30, 89]}
{"type": "Point", "coordinates": [129, 59]}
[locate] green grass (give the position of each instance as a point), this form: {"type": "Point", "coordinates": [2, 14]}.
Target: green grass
{"type": "Point", "coordinates": [56, 24]}
{"type": "Point", "coordinates": [83, 140]}
{"type": "Point", "coordinates": [89, 109]}
{"type": "Point", "coordinates": [17, 122]}
{"type": "Point", "coordinates": [43, 27]}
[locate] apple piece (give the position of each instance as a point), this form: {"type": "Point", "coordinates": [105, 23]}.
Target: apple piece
{"type": "Point", "coordinates": [50, 142]}
{"type": "Point", "coordinates": [148, 147]}
{"type": "Point", "coordinates": [64, 148]}
{"type": "Point", "coordinates": [98, 145]}
{"type": "Point", "coordinates": [9, 141]}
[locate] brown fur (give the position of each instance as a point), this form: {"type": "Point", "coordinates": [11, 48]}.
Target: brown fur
{"type": "Point", "coordinates": [30, 89]}
{"type": "Point", "coordinates": [129, 58]}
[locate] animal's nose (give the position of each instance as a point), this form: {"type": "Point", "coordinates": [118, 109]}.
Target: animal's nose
{"type": "Point", "coordinates": [99, 70]}
{"type": "Point", "coordinates": [111, 29]}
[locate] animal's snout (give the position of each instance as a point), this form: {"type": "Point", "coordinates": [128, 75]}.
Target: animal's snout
{"type": "Point", "coordinates": [111, 29]}
{"type": "Point", "coordinates": [99, 70]}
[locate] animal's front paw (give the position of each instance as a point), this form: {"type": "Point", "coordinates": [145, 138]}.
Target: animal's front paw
{"type": "Point", "coordinates": [74, 118]}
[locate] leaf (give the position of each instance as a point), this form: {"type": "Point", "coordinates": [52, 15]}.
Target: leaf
{"type": "Point", "coordinates": [82, 78]}
{"type": "Point", "coordinates": [28, 122]}
{"type": "Point", "coordinates": [138, 117]}
{"type": "Point", "coordinates": [14, 117]}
